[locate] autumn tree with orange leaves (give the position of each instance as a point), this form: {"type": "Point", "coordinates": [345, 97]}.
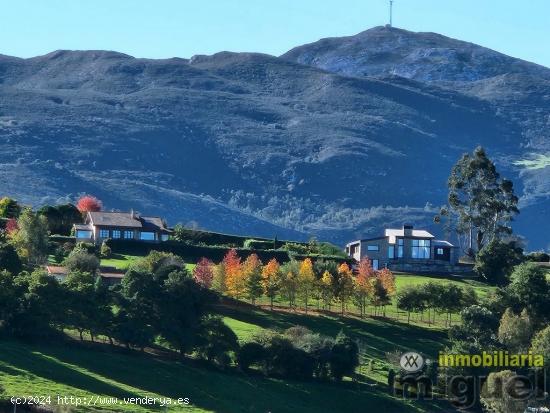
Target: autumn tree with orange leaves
{"type": "Point", "coordinates": [388, 280]}
{"type": "Point", "coordinates": [234, 281]}
{"type": "Point", "coordinates": [363, 284]}
{"type": "Point", "coordinates": [345, 285]}
{"type": "Point", "coordinates": [271, 280]}
{"type": "Point", "coordinates": [306, 281]}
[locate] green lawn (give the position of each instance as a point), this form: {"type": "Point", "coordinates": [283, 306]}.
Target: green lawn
{"type": "Point", "coordinates": [375, 337]}
{"type": "Point", "coordinates": [119, 261]}
{"type": "Point", "coordinates": [123, 261]}
{"type": "Point", "coordinates": [409, 279]}
{"type": "Point", "coordinates": [376, 334]}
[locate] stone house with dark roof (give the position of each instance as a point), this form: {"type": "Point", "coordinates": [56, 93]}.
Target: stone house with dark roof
{"type": "Point", "coordinates": [407, 249]}
{"type": "Point", "coordinates": [99, 226]}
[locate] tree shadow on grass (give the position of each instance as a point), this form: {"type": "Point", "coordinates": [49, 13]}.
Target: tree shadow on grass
{"type": "Point", "coordinates": [24, 360]}
{"type": "Point", "coordinates": [229, 391]}
{"type": "Point", "coordinates": [206, 387]}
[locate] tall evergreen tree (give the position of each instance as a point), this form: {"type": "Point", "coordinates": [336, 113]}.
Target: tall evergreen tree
{"type": "Point", "coordinates": [483, 202]}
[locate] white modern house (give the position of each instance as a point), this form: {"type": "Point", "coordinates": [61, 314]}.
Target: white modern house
{"type": "Point", "coordinates": [406, 249]}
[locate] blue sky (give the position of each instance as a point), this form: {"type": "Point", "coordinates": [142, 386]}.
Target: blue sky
{"type": "Point", "coordinates": [168, 28]}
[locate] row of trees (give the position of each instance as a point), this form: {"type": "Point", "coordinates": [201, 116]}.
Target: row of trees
{"type": "Point", "coordinates": [325, 282]}
{"type": "Point", "coordinates": [435, 297]}
{"type": "Point", "coordinates": [60, 218]}
{"type": "Point", "coordinates": [28, 231]}
{"type": "Point", "coordinates": [157, 298]}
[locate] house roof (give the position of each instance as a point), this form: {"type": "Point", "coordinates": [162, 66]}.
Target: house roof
{"type": "Point", "coordinates": [114, 219]}
{"type": "Point", "coordinates": [56, 270]}
{"type": "Point", "coordinates": [153, 223]}
{"type": "Point", "coordinates": [127, 220]}
{"type": "Point", "coordinates": [416, 233]}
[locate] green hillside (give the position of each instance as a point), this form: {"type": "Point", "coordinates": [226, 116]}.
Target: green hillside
{"type": "Point", "coordinates": [87, 370]}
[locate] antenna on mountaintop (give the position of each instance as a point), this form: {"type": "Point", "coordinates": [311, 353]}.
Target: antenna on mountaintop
{"type": "Point", "coordinates": [391, 13]}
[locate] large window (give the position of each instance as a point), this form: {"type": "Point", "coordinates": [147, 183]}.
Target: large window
{"type": "Point", "coordinates": [391, 251]}
{"type": "Point", "coordinates": [116, 233]}
{"type": "Point", "coordinates": [147, 236]}
{"type": "Point", "coordinates": [400, 248]}
{"type": "Point", "coordinates": [128, 234]}
{"type": "Point", "coordinates": [103, 233]}
{"type": "Point", "coordinates": [420, 248]}
{"type": "Point", "coordinates": [83, 234]}
{"type": "Point", "coordinates": [372, 248]}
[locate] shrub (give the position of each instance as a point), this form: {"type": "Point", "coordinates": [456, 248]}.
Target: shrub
{"type": "Point", "coordinates": [9, 260]}
{"type": "Point", "coordinates": [344, 357]}
{"type": "Point", "coordinates": [80, 260]}
{"type": "Point", "coordinates": [530, 289]}
{"type": "Point", "coordinates": [256, 244]}
{"type": "Point", "coordinates": [296, 248]}
{"type": "Point", "coordinates": [105, 250]}
{"type": "Point", "coordinates": [318, 347]}
{"type": "Point", "coordinates": [59, 255]}
{"type": "Point", "coordinates": [284, 360]}
{"type": "Point", "coordinates": [249, 354]}
{"type": "Point", "coordinates": [216, 342]}
{"type": "Point", "coordinates": [85, 246]}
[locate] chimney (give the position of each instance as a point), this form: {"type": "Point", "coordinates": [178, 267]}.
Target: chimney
{"type": "Point", "coordinates": [132, 213]}
{"type": "Point", "coordinates": [407, 230]}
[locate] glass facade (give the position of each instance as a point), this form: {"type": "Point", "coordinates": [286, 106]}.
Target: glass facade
{"type": "Point", "coordinates": [83, 234]}
{"type": "Point", "coordinates": [420, 248]}
{"type": "Point", "coordinates": [147, 236]}
{"type": "Point", "coordinates": [400, 248]}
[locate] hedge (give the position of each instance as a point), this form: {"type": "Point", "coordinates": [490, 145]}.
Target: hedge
{"type": "Point", "coordinates": [190, 253]}
{"type": "Point", "coordinates": [257, 244]}
{"type": "Point", "coordinates": [62, 238]}
{"type": "Point", "coordinates": [216, 253]}
{"type": "Point", "coordinates": [196, 236]}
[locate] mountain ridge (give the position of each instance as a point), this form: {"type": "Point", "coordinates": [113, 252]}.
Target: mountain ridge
{"type": "Point", "coordinates": [256, 144]}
